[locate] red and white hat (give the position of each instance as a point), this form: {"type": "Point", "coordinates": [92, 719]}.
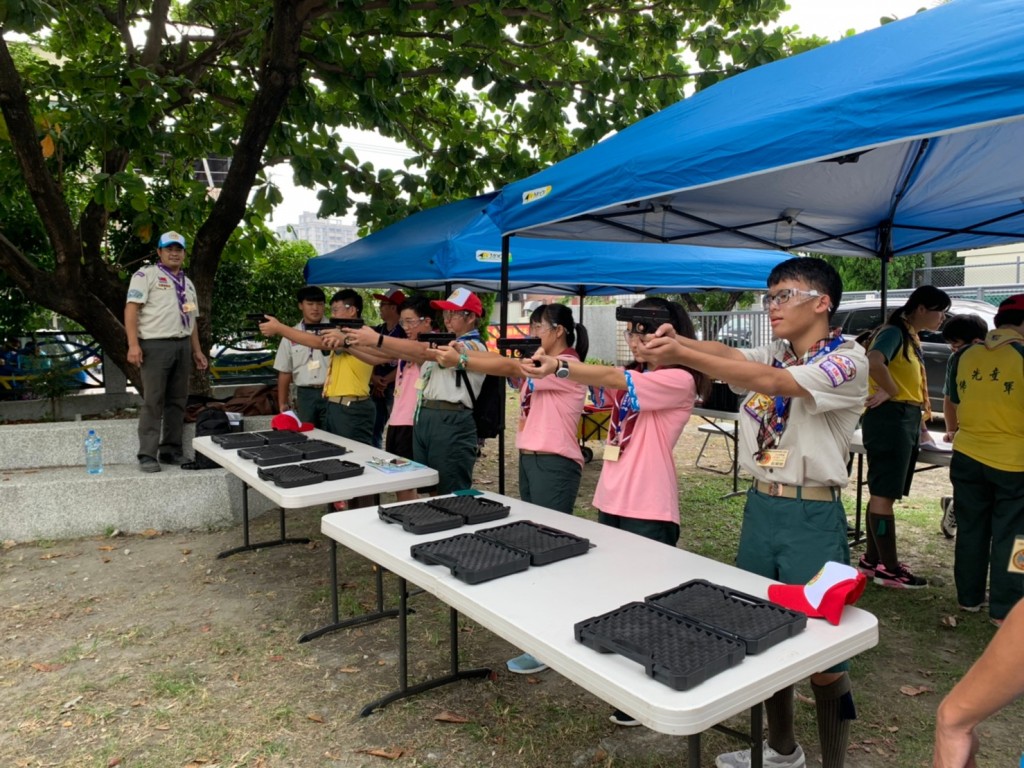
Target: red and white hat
{"type": "Point", "coordinates": [289, 421]}
{"type": "Point", "coordinates": [823, 597]}
{"type": "Point", "coordinates": [461, 299]}
{"type": "Point", "coordinates": [395, 297]}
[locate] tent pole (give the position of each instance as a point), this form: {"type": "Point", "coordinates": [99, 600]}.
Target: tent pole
{"type": "Point", "coordinates": [503, 298]}
{"type": "Point", "coordinates": [885, 254]}
{"type": "Point", "coordinates": [582, 294]}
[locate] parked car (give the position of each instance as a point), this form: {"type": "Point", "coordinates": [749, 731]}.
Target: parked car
{"type": "Point", "coordinates": [745, 330]}
{"type": "Point", "coordinates": [856, 317]}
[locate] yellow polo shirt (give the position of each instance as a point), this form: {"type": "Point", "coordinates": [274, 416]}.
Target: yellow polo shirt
{"type": "Point", "coordinates": [347, 376]}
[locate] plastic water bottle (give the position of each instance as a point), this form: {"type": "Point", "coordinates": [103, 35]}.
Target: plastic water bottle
{"type": "Point", "coordinates": [93, 453]}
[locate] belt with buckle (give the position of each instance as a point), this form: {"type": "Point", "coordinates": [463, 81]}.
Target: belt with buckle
{"type": "Point", "coordinates": [347, 400]}
{"type": "Point", "coordinates": [805, 492]}
{"type": "Point", "coordinates": [443, 405]}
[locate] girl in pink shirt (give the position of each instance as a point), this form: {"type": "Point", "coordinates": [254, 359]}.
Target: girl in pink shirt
{"type": "Point", "coordinates": [638, 490]}
{"type": "Point", "coordinates": [550, 461]}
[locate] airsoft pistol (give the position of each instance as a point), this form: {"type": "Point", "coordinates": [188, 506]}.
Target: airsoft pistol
{"type": "Point", "coordinates": [644, 321]}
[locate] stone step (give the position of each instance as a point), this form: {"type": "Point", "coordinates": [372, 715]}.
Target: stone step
{"type": "Point", "coordinates": [61, 443]}
{"type": "Point", "coordinates": [45, 492]}
{"type": "Point", "coordinates": [67, 502]}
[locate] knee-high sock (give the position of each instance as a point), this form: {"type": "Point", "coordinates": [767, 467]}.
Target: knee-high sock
{"type": "Point", "coordinates": [883, 531]}
{"type": "Point", "coordinates": [871, 550]}
{"type": "Point", "coordinates": [779, 709]}
{"type": "Point", "coordinates": [835, 710]}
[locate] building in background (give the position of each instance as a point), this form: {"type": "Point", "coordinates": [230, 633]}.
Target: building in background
{"type": "Point", "coordinates": [324, 235]}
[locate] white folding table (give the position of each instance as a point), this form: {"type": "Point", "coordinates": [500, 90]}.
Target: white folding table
{"type": "Point", "coordinates": [371, 482]}
{"type": "Point", "coordinates": [536, 610]}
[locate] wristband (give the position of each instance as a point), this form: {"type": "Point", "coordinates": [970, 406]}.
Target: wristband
{"type": "Point", "coordinates": [463, 359]}
{"type": "Point", "coordinates": [380, 341]}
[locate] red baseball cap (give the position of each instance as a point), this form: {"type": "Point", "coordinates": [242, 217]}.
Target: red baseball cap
{"type": "Point", "coordinates": [289, 421]}
{"type": "Point", "coordinates": [1012, 302]}
{"type": "Point", "coordinates": [395, 297]}
{"type": "Point", "coordinates": [461, 299]}
{"type": "Point", "coordinates": [823, 597]}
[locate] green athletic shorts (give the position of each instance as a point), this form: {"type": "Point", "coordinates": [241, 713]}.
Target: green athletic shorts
{"type": "Point", "coordinates": [892, 435]}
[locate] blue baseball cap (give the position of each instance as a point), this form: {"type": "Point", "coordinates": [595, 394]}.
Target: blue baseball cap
{"type": "Point", "coordinates": [171, 238]}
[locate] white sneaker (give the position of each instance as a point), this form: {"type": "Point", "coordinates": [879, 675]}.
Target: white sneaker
{"type": "Point", "coordinates": [772, 759]}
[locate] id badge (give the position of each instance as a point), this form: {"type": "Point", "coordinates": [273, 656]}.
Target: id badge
{"type": "Point", "coordinates": [187, 307]}
{"type": "Point", "coordinates": [1017, 556]}
{"type": "Point", "coordinates": [420, 384]}
{"type": "Point", "coordinates": [313, 365]}
{"type": "Point", "coordinates": [774, 458]}
{"type": "Point", "coordinates": [611, 452]}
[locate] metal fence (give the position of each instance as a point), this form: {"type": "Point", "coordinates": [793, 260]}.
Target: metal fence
{"type": "Point", "coordinates": [1008, 272]}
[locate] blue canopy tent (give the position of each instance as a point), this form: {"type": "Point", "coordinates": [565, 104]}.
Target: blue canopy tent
{"type": "Point", "coordinates": [900, 140]}
{"type": "Point", "coordinates": [457, 244]}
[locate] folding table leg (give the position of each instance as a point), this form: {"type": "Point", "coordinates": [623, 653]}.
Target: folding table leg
{"type": "Point", "coordinates": [404, 689]}
{"type": "Point", "coordinates": [355, 621]}
{"type": "Point", "coordinates": [246, 545]}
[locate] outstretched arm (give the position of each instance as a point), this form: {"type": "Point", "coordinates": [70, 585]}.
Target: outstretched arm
{"type": "Point", "coordinates": [996, 679]}
{"type": "Point", "coordinates": [476, 360]}
{"type": "Point", "coordinates": [274, 327]}
{"type": "Point", "coordinates": [585, 373]}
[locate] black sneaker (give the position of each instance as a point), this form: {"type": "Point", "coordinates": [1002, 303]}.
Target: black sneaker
{"type": "Point", "coordinates": [947, 523]}
{"type": "Point", "coordinates": [900, 578]}
{"type": "Point", "coordinates": [866, 567]}
{"type": "Point", "coordinates": [149, 464]}
{"type": "Point", "coordinates": [621, 718]}
{"type": "Point", "coordinates": [172, 458]}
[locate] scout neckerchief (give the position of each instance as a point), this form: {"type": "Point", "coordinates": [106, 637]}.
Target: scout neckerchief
{"type": "Point", "coordinates": [428, 369]}
{"type": "Point", "coordinates": [625, 409]}
{"type": "Point", "coordinates": [179, 289]}
{"type": "Point", "coordinates": [526, 388]}
{"type": "Point", "coordinates": [773, 421]}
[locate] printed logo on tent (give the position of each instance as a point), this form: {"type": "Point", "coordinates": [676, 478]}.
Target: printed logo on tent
{"type": "Point", "coordinates": [533, 195]}
{"type": "Point", "coordinates": [489, 257]}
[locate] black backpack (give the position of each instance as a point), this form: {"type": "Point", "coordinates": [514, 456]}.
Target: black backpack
{"type": "Point", "coordinates": [210, 421]}
{"type": "Point", "coordinates": [488, 405]}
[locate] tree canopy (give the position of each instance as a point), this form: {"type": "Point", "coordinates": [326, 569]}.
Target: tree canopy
{"type": "Point", "coordinates": [108, 106]}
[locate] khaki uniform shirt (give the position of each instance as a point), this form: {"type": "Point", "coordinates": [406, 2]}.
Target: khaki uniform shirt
{"type": "Point", "coordinates": [159, 313]}
{"type": "Point", "coordinates": [820, 427]}
{"type": "Point", "coordinates": [443, 383]}
{"type": "Point", "coordinates": [307, 366]}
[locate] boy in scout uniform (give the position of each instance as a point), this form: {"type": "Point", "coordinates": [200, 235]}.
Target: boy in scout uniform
{"type": "Point", "coordinates": [806, 393]}
{"type": "Point", "coordinates": [304, 366]}
{"type": "Point", "coordinates": [163, 340]}
{"type": "Point", "coordinates": [350, 412]}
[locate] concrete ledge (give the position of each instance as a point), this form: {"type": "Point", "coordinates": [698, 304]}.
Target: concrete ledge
{"type": "Point", "coordinates": [60, 443]}
{"type": "Point", "coordinates": [66, 502]}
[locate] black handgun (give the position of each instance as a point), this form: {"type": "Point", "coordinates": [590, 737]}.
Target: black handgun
{"type": "Point", "coordinates": [437, 339]}
{"type": "Point", "coordinates": [256, 317]}
{"type": "Point", "coordinates": [644, 321]}
{"type": "Point", "coordinates": [334, 322]}
{"type": "Point", "coordinates": [523, 347]}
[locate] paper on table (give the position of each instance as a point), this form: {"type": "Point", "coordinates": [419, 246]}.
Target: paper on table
{"type": "Point", "coordinates": [933, 441]}
{"type": "Point", "coordinates": [390, 469]}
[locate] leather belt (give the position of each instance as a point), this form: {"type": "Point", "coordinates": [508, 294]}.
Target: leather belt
{"type": "Point", "coordinates": [805, 492]}
{"type": "Point", "coordinates": [443, 405]}
{"type": "Point", "coordinates": [347, 400]}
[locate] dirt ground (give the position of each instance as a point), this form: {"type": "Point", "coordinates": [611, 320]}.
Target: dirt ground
{"type": "Point", "coordinates": [147, 650]}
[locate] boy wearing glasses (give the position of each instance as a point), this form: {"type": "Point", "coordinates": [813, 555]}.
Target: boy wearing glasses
{"type": "Point", "coordinates": [805, 393]}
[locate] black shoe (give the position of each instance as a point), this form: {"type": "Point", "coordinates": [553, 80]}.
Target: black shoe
{"type": "Point", "coordinates": [149, 464]}
{"type": "Point", "coordinates": [172, 458]}
{"type": "Point", "coordinates": [621, 718]}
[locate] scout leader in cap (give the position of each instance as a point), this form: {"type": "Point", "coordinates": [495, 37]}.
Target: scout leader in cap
{"type": "Point", "coordinates": [160, 317]}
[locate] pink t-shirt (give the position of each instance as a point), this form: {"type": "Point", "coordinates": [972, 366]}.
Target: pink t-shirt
{"type": "Point", "coordinates": [552, 414]}
{"type": "Point", "coordinates": [404, 407]}
{"type": "Point", "coordinates": [642, 484]}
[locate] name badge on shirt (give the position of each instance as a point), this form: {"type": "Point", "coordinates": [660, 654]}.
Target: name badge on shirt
{"type": "Point", "coordinates": [420, 384]}
{"type": "Point", "coordinates": [1017, 556]}
{"type": "Point", "coordinates": [773, 458]}
{"type": "Point", "coordinates": [611, 453]}
{"type": "Point", "coordinates": [187, 307]}
{"type": "Point", "coordinates": [313, 365]}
